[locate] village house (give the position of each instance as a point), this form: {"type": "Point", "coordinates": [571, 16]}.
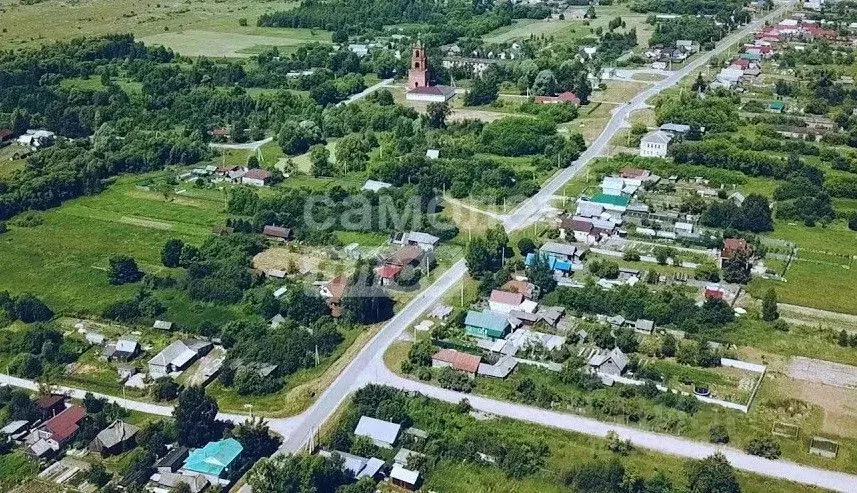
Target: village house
{"type": "Point", "coordinates": [55, 432]}
{"type": "Point", "coordinates": [171, 481]}
{"type": "Point", "coordinates": [655, 144]}
{"type": "Point", "coordinates": [563, 97]}
{"type": "Point", "coordinates": [375, 186]}
{"type": "Point", "coordinates": [504, 301]}
{"type": "Point", "coordinates": [387, 274]}
{"type": "Point", "coordinates": [486, 325]}
{"type": "Point", "coordinates": [177, 356]}
{"type": "Point", "coordinates": [611, 362]}
{"type": "Point", "coordinates": [50, 405]}
{"type": "Point", "coordinates": [529, 290]}
{"type": "Point", "coordinates": [36, 139]}
{"type": "Point", "coordinates": [117, 438]}
{"type": "Point", "coordinates": [277, 233]}
{"type": "Point", "coordinates": [213, 461]}
{"type": "Point", "coordinates": [457, 360]}
{"type": "Point", "coordinates": [404, 478]}
{"type": "Point", "coordinates": [333, 292]}
{"type": "Point", "coordinates": [382, 433]}
{"type": "Point", "coordinates": [172, 461]}
{"type": "Point", "coordinates": [257, 177]}
{"type": "Point", "coordinates": [408, 255]}
{"type": "Point", "coordinates": [425, 241]}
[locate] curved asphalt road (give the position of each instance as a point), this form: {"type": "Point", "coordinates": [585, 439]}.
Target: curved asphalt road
{"type": "Point", "coordinates": [368, 366]}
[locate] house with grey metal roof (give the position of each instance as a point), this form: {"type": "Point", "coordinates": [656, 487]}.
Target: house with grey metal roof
{"type": "Point", "coordinates": [382, 433]}
{"type": "Point", "coordinates": [655, 144]}
{"type": "Point", "coordinates": [177, 356]}
{"type": "Point", "coordinates": [118, 437]}
{"type": "Point", "coordinates": [611, 362]}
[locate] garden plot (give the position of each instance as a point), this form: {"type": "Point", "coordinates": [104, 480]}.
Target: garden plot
{"type": "Point", "coordinates": [724, 383]}
{"type": "Point", "coordinates": [300, 261]}
{"type": "Point", "coordinates": [831, 386]}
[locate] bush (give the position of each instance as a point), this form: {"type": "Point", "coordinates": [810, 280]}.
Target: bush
{"type": "Point", "coordinates": [28, 308]}
{"type": "Point", "coordinates": [764, 446]}
{"type": "Point", "coordinates": [717, 434]}
{"type": "Point", "coordinates": [455, 380]}
{"type": "Point", "coordinates": [164, 389]}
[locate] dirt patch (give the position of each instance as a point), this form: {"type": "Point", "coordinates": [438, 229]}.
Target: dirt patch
{"type": "Point", "coordinates": [82, 369]}
{"type": "Point", "coordinates": [298, 261]}
{"type": "Point", "coordinates": [838, 404]}
{"type": "Point", "coordinates": [823, 372]}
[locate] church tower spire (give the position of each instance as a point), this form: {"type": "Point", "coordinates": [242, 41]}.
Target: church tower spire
{"type": "Point", "coordinates": [418, 75]}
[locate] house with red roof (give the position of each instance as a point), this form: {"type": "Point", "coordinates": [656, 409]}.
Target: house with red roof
{"type": "Point", "coordinates": [731, 246]}
{"type": "Point", "coordinates": [55, 432]}
{"type": "Point", "coordinates": [333, 292]}
{"type": "Point", "coordinates": [257, 177]}
{"type": "Point", "coordinates": [50, 405]}
{"type": "Point", "coordinates": [450, 358]}
{"type": "Point", "coordinates": [387, 273]}
{"type": "Point", "coordinates": [504, 301]}
{"type": "Point", "coordinates": [563, 97]}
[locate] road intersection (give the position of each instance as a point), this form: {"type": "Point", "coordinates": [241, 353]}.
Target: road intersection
{"type": "Point", "coordinates": [368, 365]}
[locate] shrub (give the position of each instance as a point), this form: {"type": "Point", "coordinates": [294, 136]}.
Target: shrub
{"type": "Point", "coordinates": [717, 434]}
{"type": "Point", "coordinates": [454, 380]}
{"type": "Point", "coordinates": [764, 446]}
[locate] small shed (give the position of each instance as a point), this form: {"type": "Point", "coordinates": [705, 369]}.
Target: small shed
{"type": "Point", "coordinates": [404, 478]}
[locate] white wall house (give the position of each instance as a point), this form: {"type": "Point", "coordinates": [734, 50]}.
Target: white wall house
{"type": "Point", "coordinates": [655, 144]}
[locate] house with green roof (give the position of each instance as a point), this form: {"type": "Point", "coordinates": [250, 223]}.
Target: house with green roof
{"type": "Point", "coordinates": [486, 325]}
{"type": "Point", "coordinates": [213, 460]}
{"type": "Point", "coordinates": [611, 202]}
{"type": "Point", "coordinates": [776, 107]}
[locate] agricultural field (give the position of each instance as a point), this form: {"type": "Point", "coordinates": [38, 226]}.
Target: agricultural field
{"type": "Point", "coordinates": [64, 259]}
{"type": "Point", "coordinates": [219, 44]}
{"type": "Point", "coordinates": [572, 29]}
{"type": "Point", "coordinates": [193, 28]}
{"type": "Point", "coordinates": [825, 259]}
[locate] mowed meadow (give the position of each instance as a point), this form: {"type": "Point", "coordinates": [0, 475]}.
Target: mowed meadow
{"type": "Point", "coordinates": [64, 259]}
{"type": "Point", "coordinates": [190, 27]}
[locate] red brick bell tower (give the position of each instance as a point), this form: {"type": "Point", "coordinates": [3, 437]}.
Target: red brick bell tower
{"type": "Point", "coordinates": [418, 75]}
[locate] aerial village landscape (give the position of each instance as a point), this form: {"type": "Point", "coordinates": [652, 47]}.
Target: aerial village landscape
{"type": "Point", "coordinates": [407, 245]}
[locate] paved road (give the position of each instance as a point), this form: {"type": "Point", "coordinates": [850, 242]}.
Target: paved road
{"type": "Point", "coordinates": [653, 441]}
{"type": "Point", "coordinates": [528, 210]}
{"type": "Point", "coordinates": [368, 366]}
{"type": "Point", "coordinates": [369, 90]}
{"type": "Point", "coordinates": [144, 407]}
{"type": "Point", "coordinates": [300, 429]}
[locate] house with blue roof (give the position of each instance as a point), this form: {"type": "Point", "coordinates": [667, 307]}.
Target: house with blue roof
{"type": "Point", "coordinates": [214, 460]}
{"type": "Point", "coordinates": [486, 325]}
{"type": "Point", "coordinates": [560, 267]}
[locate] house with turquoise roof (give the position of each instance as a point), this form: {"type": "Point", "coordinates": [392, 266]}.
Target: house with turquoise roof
{"type": "Point", "coordinates": [214, 460]}
{"type": "Point", "coordinates": [486, 325]}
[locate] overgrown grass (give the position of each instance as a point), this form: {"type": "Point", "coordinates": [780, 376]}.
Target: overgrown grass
{"type": "Point", "coordinates": [64, 260]}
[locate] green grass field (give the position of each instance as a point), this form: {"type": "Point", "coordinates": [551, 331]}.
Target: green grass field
{"type": "Point", "coordinates": [64, 260]}
{"type": "Point", "coordinates": [25, 25]}
{"type": "Point", "coordinates": [822, 276]}
{"type": "Point", "coordinates": [16, 468]}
